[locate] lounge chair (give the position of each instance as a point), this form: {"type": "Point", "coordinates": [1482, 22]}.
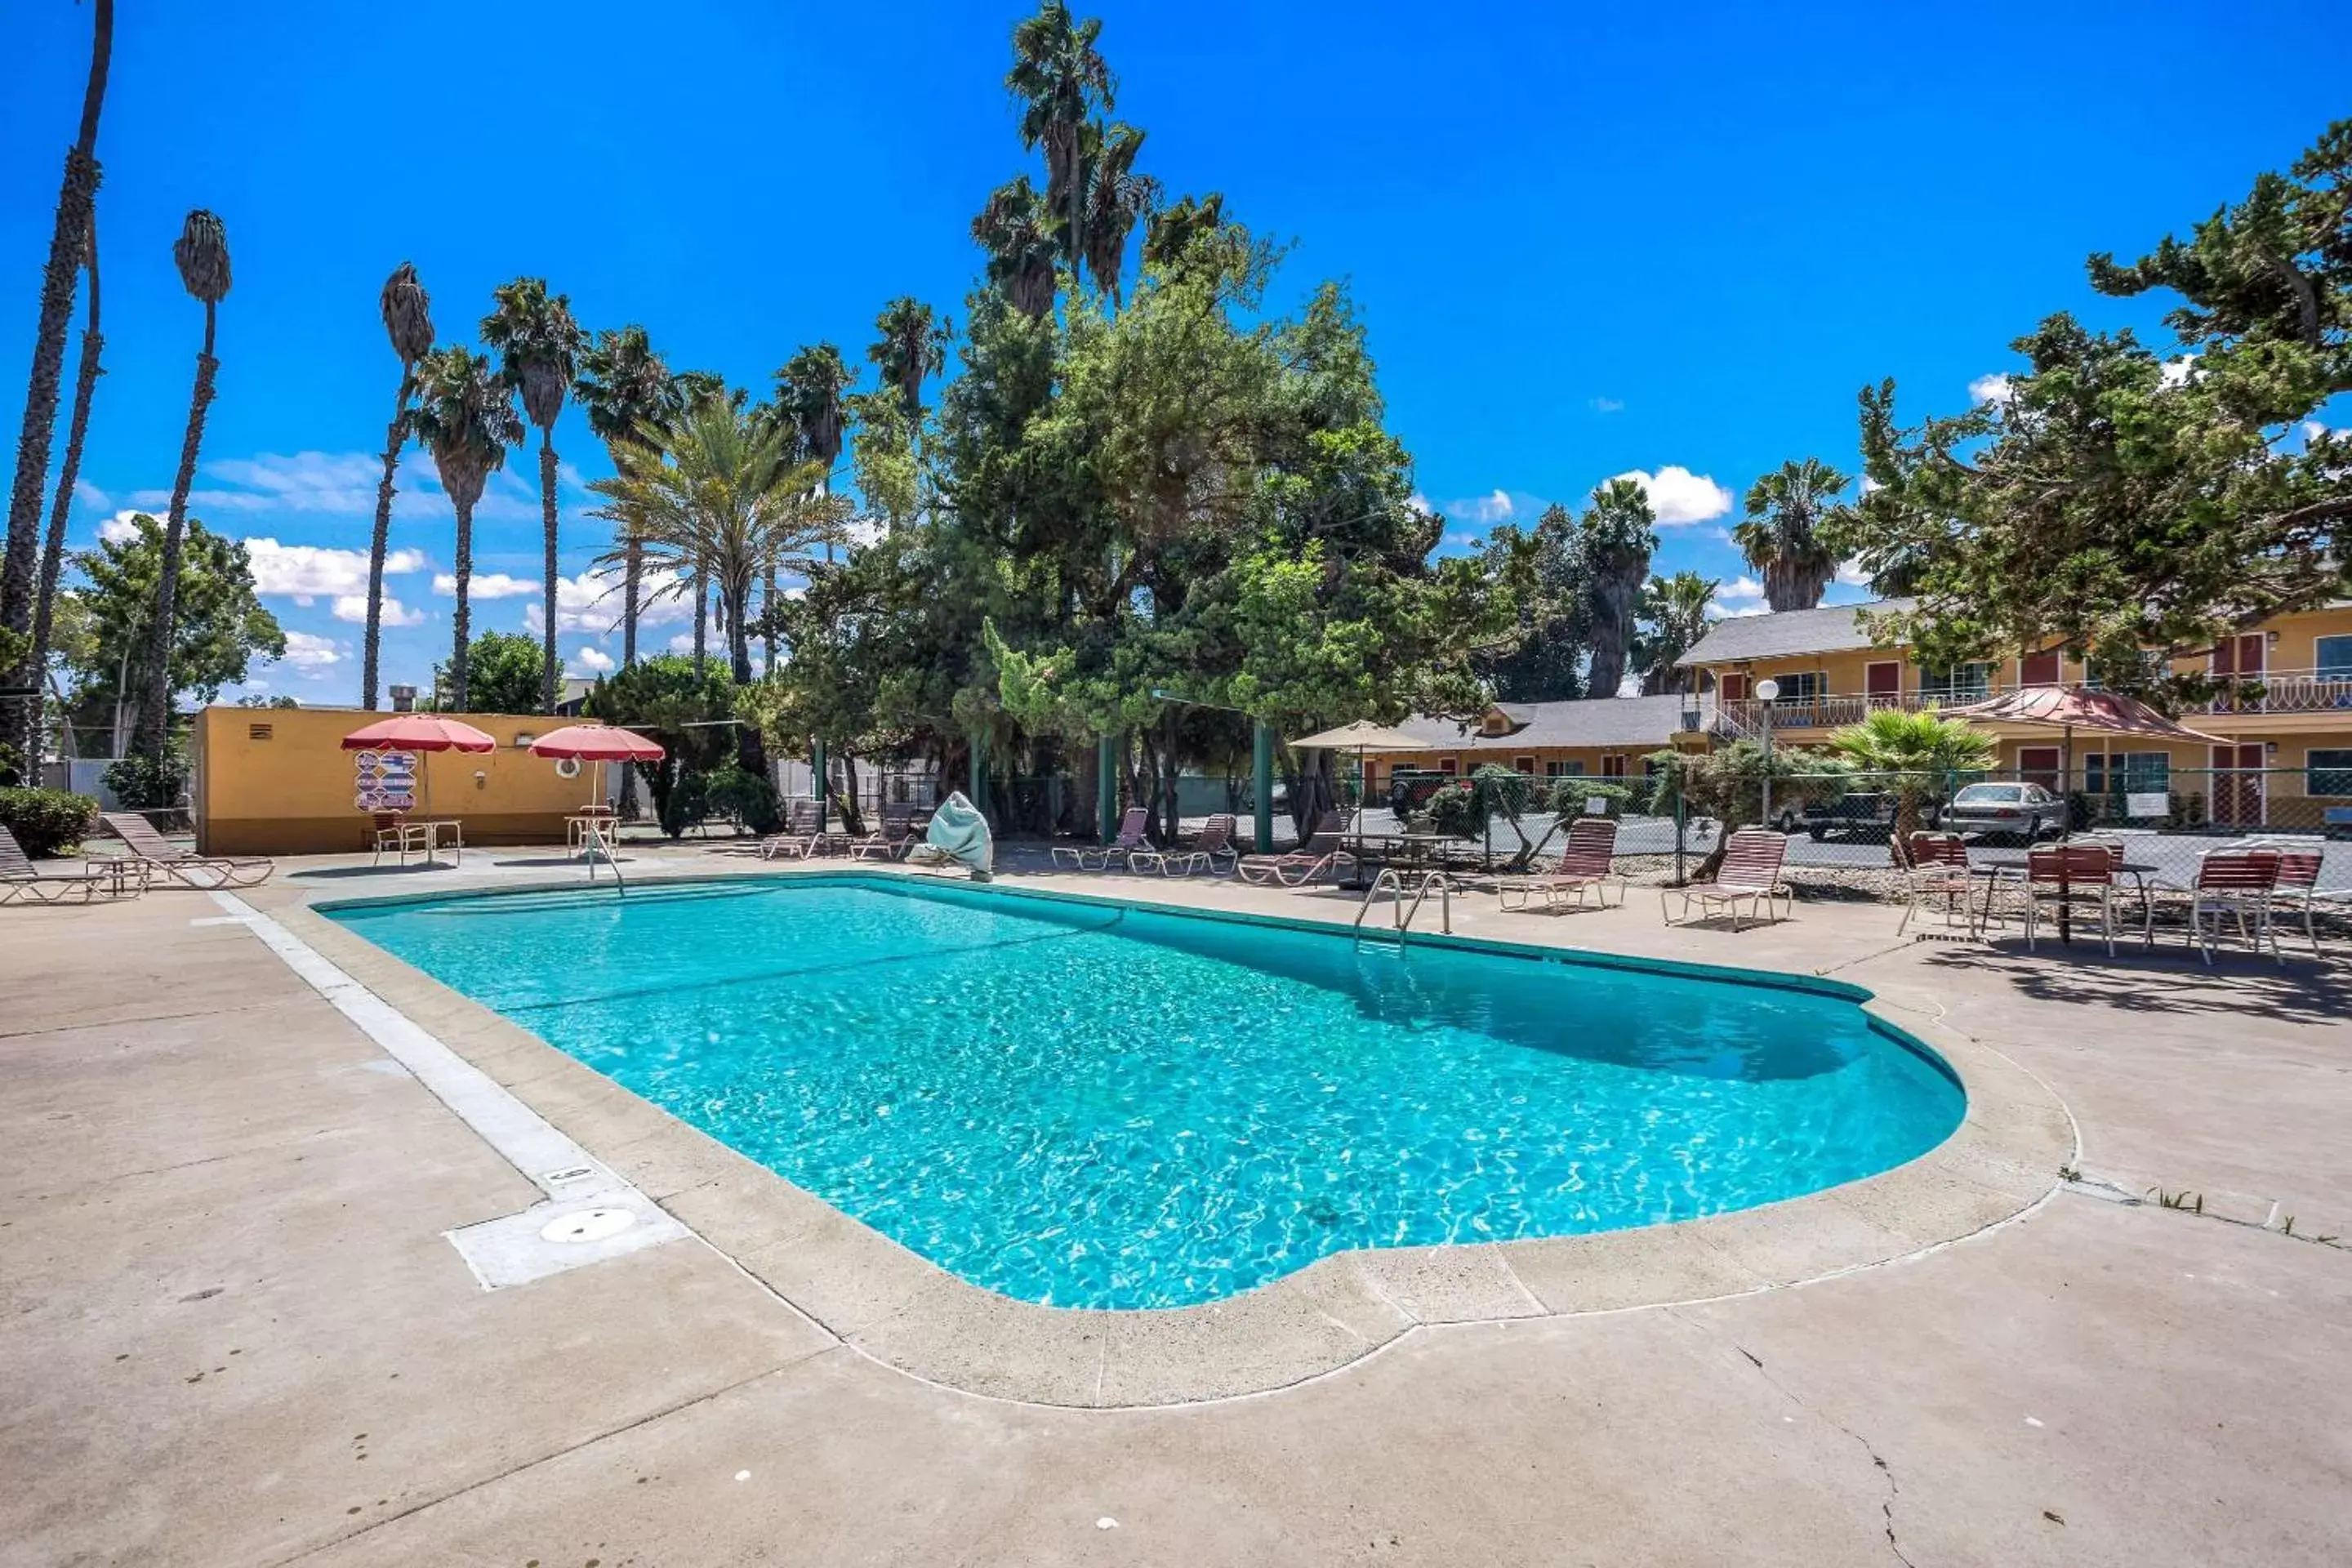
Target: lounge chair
{"type": "Point", "coordinates": [1099, 857]}
{"type": "Point", "coordinates": [802, 836]}
{"type": "Point", "coordinates": [1322, 855]}
{"type": "Point", "coordinates": [1751, 874]}
{"type": "Point", "coordinates": [206, 873]}
{"type": "Point", "coordinates": [1587, 861]}
{"type": "Point", "coordinates": [888, 842]}
{"type": "Point", "coordinates": [2238, 882]}
{"type": "Point", "coordinates": [1216, 842]}
{"type": "Point", "coordinates": [20, 879]}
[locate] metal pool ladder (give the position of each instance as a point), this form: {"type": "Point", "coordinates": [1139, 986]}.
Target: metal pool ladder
{"type": "Point", "coordinates": [1394, 882]}
{"type": "Point", "coordinates": [601, 847]}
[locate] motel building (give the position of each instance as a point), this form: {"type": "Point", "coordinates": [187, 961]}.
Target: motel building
{"type": "Point", "coordinates": [2286, 760]}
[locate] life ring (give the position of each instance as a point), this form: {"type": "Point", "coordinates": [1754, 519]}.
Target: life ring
{"type": "Point", "coordinates": [567, 767]}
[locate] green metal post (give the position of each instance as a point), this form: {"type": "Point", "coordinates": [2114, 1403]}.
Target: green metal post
{"type": "Point", "coordinates": [980, 771]}
{"type": "Point", "coordinates": [1106, 787]}
{"type": "Point", "coordinates": [1262, 782]}
{"type": "Point", "coordinates": [816, 774]}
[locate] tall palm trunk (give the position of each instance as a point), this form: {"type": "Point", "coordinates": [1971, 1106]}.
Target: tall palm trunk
{"type": "Point", "coordinates": [155, 702]}
{"type": "Point", "coordinates": [461, 617]}
{"type": "Point", "coordinates": [701, 619]}
{"type": "Point", "coordinates": [768, 619]}
{"type": "Point", "coordinates": [53, 550]}
{"type": "Point", "coordinates": [631, 574]}
{"type": "Point", "coordinates": [393, 439]}
{"type": "Point", "coordinates": [547, 523]}
{"type": "Point", "coordinates": [68, 245]}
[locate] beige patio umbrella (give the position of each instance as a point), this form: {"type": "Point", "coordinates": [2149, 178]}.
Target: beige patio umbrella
{"type": "Point", "coordinates": [1363, 737]}
{"type": "Point", "coordinates": [2067, 708]}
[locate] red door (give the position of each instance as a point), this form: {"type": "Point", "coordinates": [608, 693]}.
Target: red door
{"type": "Point", "coordinates": [2038, 668]}
{"type": "Point", "coordinates": [2039, 764]}
{"type": "Point", "coordinates": [1883, 683]}
{"type": "Point", "coordinates": [1613, 765]}
{"type": "Point", "coordinates": [1733, 686]}
{"type": "Point", "coordinates": [2237, 785]}
{"type": "Point", "coordinates": [2239, 658]}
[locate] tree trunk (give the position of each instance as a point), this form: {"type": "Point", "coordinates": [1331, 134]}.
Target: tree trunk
{"type": "Point", "coordinates": [393, 439]}
{"type": "Point", "coordinates": [631, 574]}
{"type": "Point", "coordinates": [549, 681]}
{"type": "Point", "coordinates": [461, 617]}
{"type": "Point", "coordinates": [68, 246]}
{"type": "Point", "coordinates": [53, 550]}
{"type": "Point", "coordinates": [155, 703]}
{"type": "Point", "coordinates": [853, 820]}
{"type": "Point", "coordinates": [701, 620]}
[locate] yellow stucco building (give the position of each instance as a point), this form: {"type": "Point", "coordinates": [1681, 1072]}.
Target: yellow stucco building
{"type": "Point", "coordinates": [276, 781]}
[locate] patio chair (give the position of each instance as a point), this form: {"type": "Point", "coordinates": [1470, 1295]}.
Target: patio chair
{"type": "Point", "coordinates": [2297, 887]}
{"type": "Point", "coordinates": [1132, 838]}
{"type": "Point", "coordinates": [1751, 874]}
{"type": "Point", "coordinates": [1322, 855]}
{"type": "Point", "coordinates": [393, 831]}
{"type": "Point", "coordinates": [1940, 867]}
{"type": "Point", "coordinates": [1216, 842]}
{"type": "Point", "coordinates": [2063, 872]}
{"type": "Point", "coordinates": [20, 879]}
{"type": "Point", "coordinates": [802, 836]}
{"type": "Point", "coordinates": [892, 839]}
{"type": "Point", "coordinates": [1588, 861]}
{"type": "Point", "coordinates": [206, 873]}
{"type": "Point", "coordinates": [2235, 882]}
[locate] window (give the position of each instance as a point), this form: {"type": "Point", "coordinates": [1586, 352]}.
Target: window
{"type": "Point", "coordinates": [1957, 683]}
{"type": "Point", "coordinates": [1524, 766]}
{"type": "Point", "coordinates": [1449, 767]}
{"type": "Point", "coordinates": [2128, 773]}
{"type": "Point", "coordinates": [2327, 773]}
{"type": "Point", "coordinates": [1570, 769]}
{"type": "Point", "coordinates": [2332, 658]}
{"type": "Point", "coordinates": [1801, 686]}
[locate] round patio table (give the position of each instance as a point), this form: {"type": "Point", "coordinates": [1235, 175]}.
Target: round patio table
{"type": "Point", "coordinates": [1993, 864]}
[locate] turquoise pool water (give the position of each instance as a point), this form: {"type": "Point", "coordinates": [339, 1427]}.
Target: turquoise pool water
{"type": "Point", "coordinates": [1095, 1106]}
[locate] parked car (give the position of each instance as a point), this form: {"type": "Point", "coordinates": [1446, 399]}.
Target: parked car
{"type": "Point", "coordinates": [1870, 813]}
{"type": "Point", "coordinates": [2027, 810]}
{"type": "Point", "coordinates": [1410, 789]}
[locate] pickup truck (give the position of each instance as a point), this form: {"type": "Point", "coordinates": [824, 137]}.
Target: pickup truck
{"type": "Point", "coordinates": [1870, 813]}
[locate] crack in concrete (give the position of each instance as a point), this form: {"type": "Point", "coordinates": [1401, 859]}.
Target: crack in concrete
{"type": "Point", "coordinates": [2106, 1192]}
{"type": "Point", "coordinates": [1877, 1460]}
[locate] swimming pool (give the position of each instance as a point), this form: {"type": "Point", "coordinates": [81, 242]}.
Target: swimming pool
{"type": "Point", "coordinates": [1082, 1103]}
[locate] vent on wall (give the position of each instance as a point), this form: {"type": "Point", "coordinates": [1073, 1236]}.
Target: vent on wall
{"type": "Point", "coordinates": [257, 732]}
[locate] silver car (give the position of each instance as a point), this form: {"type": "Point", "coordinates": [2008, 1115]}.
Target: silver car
{"type": "Point", "coordinates": [2027, 810]}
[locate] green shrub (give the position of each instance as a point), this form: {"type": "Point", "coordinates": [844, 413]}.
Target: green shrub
{"type": "Point", "coordinates": [144, 783]}
{"type": "Point", "coordinates": [746, 796]}
{"type": "Point", "coordinates": [1571, 797]}
{"type": "Point", "coordinates": [48, 822]}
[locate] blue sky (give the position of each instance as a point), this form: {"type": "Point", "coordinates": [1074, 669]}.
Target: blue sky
{"type": "Point", "coordinates": [1588, 240]}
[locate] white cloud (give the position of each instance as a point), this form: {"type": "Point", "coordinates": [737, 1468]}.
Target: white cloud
{"type": "Point", "coordinates": [682, 643]}
{"type": "Point", "coordinates": [1464, 541]}
{"type": "Point", "coordinates": [1741, 596]}
{"type": "Point", "coordinates": [352, 607]}
{"type": "Point", "coordinates": [1418, 502]}
{"type": "Point", "coordinates": [592, 659]}
{"type": "Point", "coordinates": [1993, 388]}
{"type": "Point", "coordinates": [1851, 573]}
{"type": "Point", "coordinates": [485, 585]}
{"type": "Point", "coordinates": [313, 655]}
{"type": "Point", "coordinates": [1869, 485]}
{"type": "Point", "coordinates": [341, 484]}
{"type": "Point", "coordinates": [305, 571]}
{"type": "Point", "coordinates": [593, 603]}
{"type": "Point", "coordinates": [2177, 372]}
{"type": "Point", "coordinates": [120, 528]}
{"type": "Point", "coordinates": [1607, 405]}
{"type": "Point", "coordinates": [1679, 496]}
{"type": "Point", "coordinates": [90, 495]}
{"type": "Point", "coordinates": [1494, 508]}
{"type": "Point", "coordinates": [2313, 431]}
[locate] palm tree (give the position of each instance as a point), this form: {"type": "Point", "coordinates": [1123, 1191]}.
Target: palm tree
{"type": "Point", "coordinates": [464, 417]}
{"type": "Point", "coordinates": [1173, 229]}
{"type": "Point", "coordinates": [202, 255]}
{"type": "Point", "coordinates": [1061, 79]}
{"type": "Point", "coordinates": [537, 343]}
{"type": "Point", "coordinates": [629, 397]}
{"type": "Point", "coordinates": [1011, 228]}
{"type": "Point", "coordinates": [1672, 618]}
{"type": "Point", "coordinates": [1118, 198]}
{"type": "Point", "coordinates": [69, 243]}
{"type": "Point", "coordinates": [1782, 537]}
{"type": "Point", "coordinates": [1615, 542]}
{"type": "Point", "coordinates": [407, 313]}
{"type": "Point", "coordinates": [1913, 755]}
{"type": "Point", "coordinates": [53, 550]}
{"type": "Point", "coordinates": [913, 344]}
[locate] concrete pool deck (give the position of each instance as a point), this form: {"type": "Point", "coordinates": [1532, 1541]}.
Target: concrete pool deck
{"type": "Point", "coordinates": [205, 1156]}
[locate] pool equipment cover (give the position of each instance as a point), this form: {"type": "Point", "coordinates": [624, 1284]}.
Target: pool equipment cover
{"type": "Point", "coordinates": [960, 832]}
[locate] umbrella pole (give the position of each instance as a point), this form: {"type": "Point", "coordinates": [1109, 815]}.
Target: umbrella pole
{"type": "Point", "coordinates": [2065, 832]}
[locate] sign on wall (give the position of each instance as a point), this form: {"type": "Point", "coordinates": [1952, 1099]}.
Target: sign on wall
{"type": "Point", "coordinates": [386, 780]}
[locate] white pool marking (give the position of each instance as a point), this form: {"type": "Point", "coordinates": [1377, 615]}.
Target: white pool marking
{"type": "Point", "coordinates": [590, 1215]}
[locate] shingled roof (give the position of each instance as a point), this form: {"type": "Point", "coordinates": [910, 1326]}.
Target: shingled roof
{"type": "Point", "coordinates": [1831, 628]}
{"type": "Point", "coordinates": [1629, 721]}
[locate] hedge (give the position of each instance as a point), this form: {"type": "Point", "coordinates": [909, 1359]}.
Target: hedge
{"type": "Point", "coordinates": [48, 822]}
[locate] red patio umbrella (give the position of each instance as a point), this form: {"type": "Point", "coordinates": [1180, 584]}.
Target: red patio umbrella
{"type": "Point", "coordinates": [419, 733]}
{"type": "Point", "coordinates": [598, 744]}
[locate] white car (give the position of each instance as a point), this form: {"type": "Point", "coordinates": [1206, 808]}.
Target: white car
{"type": "Point", "coordinates": [2027, 810]}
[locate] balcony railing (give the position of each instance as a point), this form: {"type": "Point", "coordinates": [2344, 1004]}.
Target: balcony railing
{"type": "Point", "coordinates": [2284, 692]}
